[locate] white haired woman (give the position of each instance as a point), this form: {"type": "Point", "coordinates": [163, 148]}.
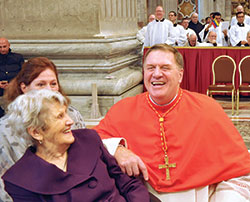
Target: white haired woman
{"type": "Point", "coordinates": [62, 165]}
{"type": "Point", "coordinates": [36, 73]}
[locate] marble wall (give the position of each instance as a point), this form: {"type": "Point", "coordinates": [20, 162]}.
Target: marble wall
{"type": "Point", "coordinates": [90, 41]}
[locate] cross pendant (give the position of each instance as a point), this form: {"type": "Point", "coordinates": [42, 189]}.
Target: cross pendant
{"type": "Point", "coordinates": [167, 165]}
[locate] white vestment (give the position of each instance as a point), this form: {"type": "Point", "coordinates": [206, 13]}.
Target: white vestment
{"type": "Point", "coordinates": [220, 35]}
{"type": "Point", "coordinates": [238, 33]}
{"type": "Point", "coordinates": [246, 21]}
{"type": "Point", "coordinates": [179, 37]}
{"type": "Point", "coordinates": [233, 190]}
{"type": "Point", "coordinates": [189, 32]}
{"type": "Point", "coordinates": [158, 32]}
{"type": "Point", "coordinates": [141, 34]}
{"type": "Point", "coordinates": [208, 44]}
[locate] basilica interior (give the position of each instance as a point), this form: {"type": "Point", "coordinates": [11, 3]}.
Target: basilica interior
{"type": "Point", "coordinates": [93, 43]}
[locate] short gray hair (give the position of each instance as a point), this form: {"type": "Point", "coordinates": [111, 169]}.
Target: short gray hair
{"type": "Point", "coordinates": [27, 111]}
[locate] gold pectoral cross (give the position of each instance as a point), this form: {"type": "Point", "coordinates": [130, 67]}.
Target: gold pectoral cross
{"type": "Point", "coordinates": [167, 166]}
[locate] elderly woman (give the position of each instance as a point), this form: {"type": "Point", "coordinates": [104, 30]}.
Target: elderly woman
{"type": "Point", "coordinates": [36, 73]}
{"type": "Point", "coordinates": [63, 165]}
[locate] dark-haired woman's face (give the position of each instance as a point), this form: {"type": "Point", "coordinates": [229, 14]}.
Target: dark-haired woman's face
{"type": "Point", "coordinates": [47, 79]}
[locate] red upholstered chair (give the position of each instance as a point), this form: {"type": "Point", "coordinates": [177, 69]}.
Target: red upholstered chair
{"type": "Point", "coordinates": [244, 72]}
{"type": "Point", "coordinates": [223, 69]}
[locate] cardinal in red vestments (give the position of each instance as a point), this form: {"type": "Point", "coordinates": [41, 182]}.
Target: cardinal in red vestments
{"type": "Point", "coordinates": [179, 140]}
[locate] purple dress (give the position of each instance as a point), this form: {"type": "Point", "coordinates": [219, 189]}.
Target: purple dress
{"type": "Point", "coordinates": [92, 175]}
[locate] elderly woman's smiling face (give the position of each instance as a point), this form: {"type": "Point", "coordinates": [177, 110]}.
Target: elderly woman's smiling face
{"type": "Point", "coordinates": [57, 132]}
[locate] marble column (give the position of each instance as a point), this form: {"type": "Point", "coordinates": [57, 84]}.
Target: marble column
{"type": "Point", "coordinates": [142, 15]}
{"type": "Point", "coordinates": [90, 41]}
{"type": "Point", "coordinates": [228, 10]}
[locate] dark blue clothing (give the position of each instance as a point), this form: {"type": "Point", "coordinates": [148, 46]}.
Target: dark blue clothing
{"type": "Point", "coordinates": [10, 65]}
{"type": "Point", "coordinates": [92, 175]}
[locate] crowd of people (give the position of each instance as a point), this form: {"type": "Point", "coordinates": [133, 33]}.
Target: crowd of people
{"type": "Point", "coordinates": [166, 144]}
{"type": "Point", "coordinates": [191, 32]}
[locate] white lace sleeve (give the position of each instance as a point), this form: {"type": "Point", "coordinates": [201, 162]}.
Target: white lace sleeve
{"type": "Point", "coordinates": [76, 117]}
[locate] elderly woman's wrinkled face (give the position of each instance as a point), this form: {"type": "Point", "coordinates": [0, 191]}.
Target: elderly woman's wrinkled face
{"type": "Point", "coordinates": [46, 80]}
{"type": "Point", "coordinates": [58, 126]}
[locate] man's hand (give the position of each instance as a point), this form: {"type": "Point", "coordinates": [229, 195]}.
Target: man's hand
{"type": "Point", "coordinates": [209, 25]}
{"type": "Point", "coordinates": [225, 32]}
{"type": "Point", "coordinates": [243, 42]}
{"type": "Point", "coordinates": [130, 163]}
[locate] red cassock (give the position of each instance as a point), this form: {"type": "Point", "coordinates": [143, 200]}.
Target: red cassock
{"type": "Point", "coordinates": [201, 140]}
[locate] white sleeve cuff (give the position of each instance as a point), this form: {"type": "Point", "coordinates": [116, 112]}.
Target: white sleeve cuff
{"type": "Point", "coordinates": [111, 144]}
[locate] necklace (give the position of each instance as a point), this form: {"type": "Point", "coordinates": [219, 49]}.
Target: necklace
{"type": "Point", "coordinates": [166, 165]}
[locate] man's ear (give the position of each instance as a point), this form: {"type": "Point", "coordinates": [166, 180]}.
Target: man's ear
{"type": "Point", "coordinates": [35, 133]}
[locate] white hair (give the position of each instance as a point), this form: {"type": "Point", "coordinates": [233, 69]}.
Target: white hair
{"type": "Point", "coordinates": [26, 110]}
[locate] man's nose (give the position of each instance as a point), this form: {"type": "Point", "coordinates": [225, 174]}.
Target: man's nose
{"type": "Point", "coordinates": [157, 71]}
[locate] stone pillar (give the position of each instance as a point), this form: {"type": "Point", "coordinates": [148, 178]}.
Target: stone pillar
{"type": "Point", "coordinates": [90, 41]}
{"type": "Point", "coordinates": [142, 15]}
{"type": "Point", "coordinates": [220, 7]}
{"type": "Point", "coordinates": [170, 5]}
{"type": "Point", "coordinates": [228, 10]}
{"type": "Point", "coordinates": [205, 7]}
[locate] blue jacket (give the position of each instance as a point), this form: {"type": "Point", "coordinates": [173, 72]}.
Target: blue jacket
{"type": "Point", "coordinates": [92, 175]}
{"type": "Point", "coordinates": [10, 65]}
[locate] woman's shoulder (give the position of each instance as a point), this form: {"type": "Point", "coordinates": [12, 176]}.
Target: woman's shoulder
{"type": "Point", "coordinates": [86, 135]}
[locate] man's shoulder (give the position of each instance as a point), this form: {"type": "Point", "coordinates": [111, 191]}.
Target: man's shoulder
{"type": "Point", "coordinates": [198, 97]}
{"type": "Point", "coordinates": [124, 105]}
{"type": "Point", "coordinates": [15, 54]}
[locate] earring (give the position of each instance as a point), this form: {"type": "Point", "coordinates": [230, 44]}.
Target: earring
{"type": "Point", "coordinates": [40, 141]}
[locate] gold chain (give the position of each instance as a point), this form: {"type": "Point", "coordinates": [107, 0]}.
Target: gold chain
{"type": "Point", "coordinates": [161, 120]}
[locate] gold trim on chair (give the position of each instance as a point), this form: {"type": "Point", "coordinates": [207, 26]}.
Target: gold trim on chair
{"type": "Point", "coordinates": [244, 75]}
{"type": "Point", "coordinates": [221, 77]}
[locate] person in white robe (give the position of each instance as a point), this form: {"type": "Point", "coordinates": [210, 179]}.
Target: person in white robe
{"type": "Point", "coordinates": [222, 37]}
{"type": "Point", "coordinates": [159, 30]}
{"type": "Point", "coordinates": [185, 23]}
{"type": "Point", "coordinates": [211, 40]}
{"type": "Point", "coordinates": [234, 21]}
{"type": "Point", "coordinates": [238, 32]}
{"type": "Point", "coordinates": [179, 34]}
{"type": "Point", "coordinates": [141, 34]}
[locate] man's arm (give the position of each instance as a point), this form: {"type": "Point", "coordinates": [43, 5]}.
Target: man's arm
{"type": "Point", "coordinates": [130, 163]}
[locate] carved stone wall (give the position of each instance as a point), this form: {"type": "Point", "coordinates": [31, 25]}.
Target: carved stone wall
{"type": "Point", "coordinates": [186, 8]}
{"type": "Point", "coordinates": [244, 3]}
{"type": "Point", "coordinates": [90, 41]}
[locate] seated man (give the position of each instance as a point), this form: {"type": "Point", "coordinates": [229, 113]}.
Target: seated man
{"type": "Point", "coordinates": [216, 26]}
{"type": "Point", "coordinates": [183, 142]}
{"type": "Point", "coordinates": [192, 41]}
{"type": "Point", "coordinates": [211, 40]}
{"type": "Point", "coordinates": [238, 32]}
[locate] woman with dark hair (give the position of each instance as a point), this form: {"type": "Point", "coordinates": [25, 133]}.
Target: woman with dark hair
{"type": "Point", "coordinates": [36, 73]}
